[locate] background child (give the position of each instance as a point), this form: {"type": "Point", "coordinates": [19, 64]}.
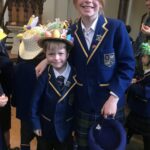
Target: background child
{"type": "Point", "coordinates": [138, 98]}
{"type": "Point", "coordinates": [30, 54]}
{"type": "Point", "coordinates": [52, 105]}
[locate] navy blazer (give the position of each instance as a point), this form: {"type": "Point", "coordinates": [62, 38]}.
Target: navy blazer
{"type": "Point", "coordinates": [51, 110]}
{"type": "Point", "coordinates": [138, 96]}
{"type": "Point", "coordinates": [107, 66]}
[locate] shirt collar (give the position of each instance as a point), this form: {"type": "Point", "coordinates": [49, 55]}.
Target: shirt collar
{"type": "Point", "coordinates": [92, 27]}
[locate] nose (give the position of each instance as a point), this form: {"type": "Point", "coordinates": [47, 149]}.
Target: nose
{"type": "Point", "coordinates": [56, 57]}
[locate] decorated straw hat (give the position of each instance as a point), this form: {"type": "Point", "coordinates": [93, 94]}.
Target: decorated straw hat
{"type": "Point", "coordinates": [57, 31]}
{"type": "Point", "coordinates": [145, 48]}
{"type": "Point", "coordinates": [2, 34]}
{"type": "Point", "coordinates": [29, 48]}
{"type": "Point", "coordinates": [107, 135]}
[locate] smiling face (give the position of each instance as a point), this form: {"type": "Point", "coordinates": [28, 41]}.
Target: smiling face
{"type": "Point", "coordinates": [57, 55]}
{"type": "Point", "coordinates": [88, 8]}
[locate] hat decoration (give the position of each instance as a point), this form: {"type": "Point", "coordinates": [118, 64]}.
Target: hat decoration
{"type": "Point", "coordinates": [107, 135]}
{"type": "Point", "coordinates": [57, 30]}
{"type": "Point", "coordinates": [2, 34]}
{"type": "Point", "coordinates": [145, 48]}
{"type": "Point", "coordinates": [29, 48]}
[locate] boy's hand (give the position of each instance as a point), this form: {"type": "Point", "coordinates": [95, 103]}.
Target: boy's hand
{"type": "Point", "coordinates": [38, 132]}
{"type": "Point", "coordinates": [3, 100]}
{"type": "Point", "coordinates": [110, 107]}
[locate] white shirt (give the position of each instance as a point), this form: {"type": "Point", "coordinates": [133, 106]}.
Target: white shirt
{"type": "Point", "coordinates": [65, 73]}
{"type": "Point", "coordinates": [146, 71]}
{"type": "Point", "coordinates": [89, 33]}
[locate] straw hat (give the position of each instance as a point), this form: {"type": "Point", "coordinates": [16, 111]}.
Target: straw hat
{"type": "Point", "coordinates": [29, 48]}
{"type": "Point", "coordinates": [57, 31]}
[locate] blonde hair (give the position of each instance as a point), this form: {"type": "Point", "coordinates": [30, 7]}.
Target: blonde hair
{"type": "Point", "coordinates": [101, 2]}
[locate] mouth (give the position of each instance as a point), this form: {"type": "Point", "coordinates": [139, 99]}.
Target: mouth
{"type": "Point", "coordinates": [86, 6]}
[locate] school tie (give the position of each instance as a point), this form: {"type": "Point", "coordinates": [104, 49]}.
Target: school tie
{"type": "Point", "coordinates": [60, 82]}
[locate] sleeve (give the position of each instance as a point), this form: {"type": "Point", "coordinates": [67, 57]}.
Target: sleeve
{"type": "Point", "coordinates": [125, 62]}
{"type": "Point", "coordinates": [36, 101]}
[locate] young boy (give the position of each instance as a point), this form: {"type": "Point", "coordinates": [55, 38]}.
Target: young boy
{"type": "Point", "coordinates": [52, 105]}
{"type": "Point", "coordinates": [138, 120]}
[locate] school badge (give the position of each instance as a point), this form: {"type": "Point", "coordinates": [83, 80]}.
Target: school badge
{"type": "Point", "coordinates": [109, 59]}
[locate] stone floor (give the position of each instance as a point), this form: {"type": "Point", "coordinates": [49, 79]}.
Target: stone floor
{"type": "Point", "coordinates": [135, 144]}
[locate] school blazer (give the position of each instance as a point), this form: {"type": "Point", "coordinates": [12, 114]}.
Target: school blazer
{"type": "Point", "coordinates": [51, 110]}
{"type": "Point", "coordinates": [107, 66]}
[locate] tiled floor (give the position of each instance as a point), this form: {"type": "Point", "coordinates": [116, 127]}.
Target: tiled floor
{"type": "Point", "coordinates": [135, 144]}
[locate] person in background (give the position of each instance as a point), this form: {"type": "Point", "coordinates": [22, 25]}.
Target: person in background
{"type": "Point", "coordinates": [6, 73]}
{"type": "Point", "coordinates": [24, 80]}
{"type": "Point", "coordinates": [143, 36]}
{"type": "Point", "coordinates": [52, 102]}
{"type": "Point", "coordinates": [103, 58]}
{"type": "Point", "coordinates": [138, 98]}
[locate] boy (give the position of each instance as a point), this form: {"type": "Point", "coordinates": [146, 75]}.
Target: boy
{"type": "Point", "coordinates": [52, 104]}
{"type": "Point", "coordinates": [138, 120]}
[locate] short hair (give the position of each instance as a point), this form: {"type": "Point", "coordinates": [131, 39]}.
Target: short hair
{"type": "Point", "coordinates": [54, 45]}
{"type": "Point", "coordinates": [101, 2]}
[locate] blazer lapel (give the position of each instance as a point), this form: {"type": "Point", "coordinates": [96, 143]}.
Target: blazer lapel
{"type": "Point", "coordinates": [80, 38]}
{"type": "Point", "coordinates": [100, 33]}
{"type": "Point", "coordinates": [52, 82]}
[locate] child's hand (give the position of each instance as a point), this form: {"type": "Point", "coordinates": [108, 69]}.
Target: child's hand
{"type": "Point", "coordinates": [3, 100]}
{"type": "Point", "coordinates": [38, 132]}
{"type": "Point", "coordinates": [41, 67]}
{"type": "Point", "coordinates": [110, 107]}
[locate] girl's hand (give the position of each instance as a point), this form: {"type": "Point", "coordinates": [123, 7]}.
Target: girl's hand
{"type": "Point", "coordinates": [41, 67]}
{"type": "Point", "coordinates": [110, 107]}
{"type": "Point", "coordinates": [3, 100]}
{"type": "Point", "coordinates": [38, 132]}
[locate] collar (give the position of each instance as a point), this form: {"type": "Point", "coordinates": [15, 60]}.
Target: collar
{"type": "Point", "coordinates": [92, 27]}
{"type": "Point", "coordinates": [65, 73]}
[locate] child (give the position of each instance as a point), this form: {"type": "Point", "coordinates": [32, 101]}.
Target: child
{"type": "Point", "coordinates": [52, 105]}
{"type": "Point", "coordinates": [30, 54]}
{"type": "Point", "coordinates": [138, 120]}
{"type": "Point", "coordinates": [103, 58]}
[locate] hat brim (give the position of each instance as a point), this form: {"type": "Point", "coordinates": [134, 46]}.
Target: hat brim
{"type": "Point", "coordinates": [41, 41]}
{"type": "Point", "coordinates": [27, 55]}
{"type": "Point", "coordinates": [2, 36]}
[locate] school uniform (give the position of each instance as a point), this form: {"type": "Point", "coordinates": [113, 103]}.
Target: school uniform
{"type": "Point", "coordinates": [52, 109]}
{"type": "Point", "coordinates": [104, 67]}
{"type": "Point", "coordinates": [138, 98]}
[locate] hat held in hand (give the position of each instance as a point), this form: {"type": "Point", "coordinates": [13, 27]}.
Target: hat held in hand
{"type": "Point", "coordinates": [108, 135]}
{"type": "Point", "coordinates": [29, 48]}
{"type": "Point", "coordinates": [57, 31]}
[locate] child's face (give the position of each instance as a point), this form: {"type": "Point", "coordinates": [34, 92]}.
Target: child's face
{"type": "Point", "coordinates": [88, 8]}
{"type": "Point", "coordinates": [145, 59]}
{"type": "Point", "coordinates": [57, 58]}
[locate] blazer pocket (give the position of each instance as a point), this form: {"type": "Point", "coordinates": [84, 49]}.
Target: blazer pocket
{"type": "Point", "coordinates": [46, 118]}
